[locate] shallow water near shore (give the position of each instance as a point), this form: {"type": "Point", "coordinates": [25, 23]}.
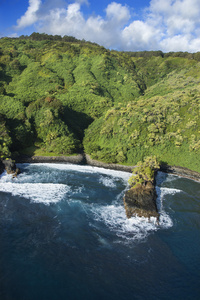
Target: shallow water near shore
{"type": "Point", "coordinates": [64, 235]}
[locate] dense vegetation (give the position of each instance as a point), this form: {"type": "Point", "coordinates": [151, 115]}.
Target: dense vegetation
{"type": "Point", "coordinates": [144, 172]}
{"type": "Point", "coordinates": [59, 96]}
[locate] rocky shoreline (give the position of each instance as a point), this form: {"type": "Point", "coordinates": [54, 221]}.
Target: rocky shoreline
{"type": "Point", "coordinates": [80, 159]}
{"type": "Point", "coordinates": [84, 159]}
{"type": "Point", "coordinates": [181, 171]}
{"type": "Point", "coordinates": [140, 200]}
{"type": "Point", "coordinates": [73, 159]}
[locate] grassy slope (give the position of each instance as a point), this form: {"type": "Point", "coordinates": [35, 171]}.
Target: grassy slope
{"type": "Point", "coordinates": [51, 91]}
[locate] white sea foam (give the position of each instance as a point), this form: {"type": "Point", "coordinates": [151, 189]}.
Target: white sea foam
{"type": "Point", "coordinates": [6, 177]}
{"type": "Point", "coordinates": [130, 229]}
{"type": "Point", "coordinates": [164, 220]}
{"type": "Point", "coordinates": [87, 169]}
{"type": "Point", "coordinates": [79, 189]}
{"type": "Point", "coordinates": [161, 176]}
{"type": "Point", "coordinates": [112, 216]}
{"type": "Point", "coordinates": [37, 192]}
{"type": "Point", "coordinates": [165, 191]}
{"type": "Point", "coordinates": [108, 182]}
{"type": "Point", "coordinates": [135, 228]}
{"type": "Point", "coordinates": [161, 192]}
{"type": "Point", "coordinates": [3, 174]}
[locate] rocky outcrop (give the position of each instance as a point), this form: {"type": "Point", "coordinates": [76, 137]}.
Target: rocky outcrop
{"type": "Point", "coordinates": [1, 167]}
{"type": "Point", "coordinates": [140, 200]}
{"type": "Point", "coordinates": [10, 167]}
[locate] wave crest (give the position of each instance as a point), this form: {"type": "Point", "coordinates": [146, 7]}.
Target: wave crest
{"type": "Point", "coordinates": [37, 192]}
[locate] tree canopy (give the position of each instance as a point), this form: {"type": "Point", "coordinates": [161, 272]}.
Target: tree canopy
{"type": "Point", "coordinates": [60, 95]}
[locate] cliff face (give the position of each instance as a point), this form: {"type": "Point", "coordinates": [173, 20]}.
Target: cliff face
{"type": "Point", "coordinates": [141, 200]}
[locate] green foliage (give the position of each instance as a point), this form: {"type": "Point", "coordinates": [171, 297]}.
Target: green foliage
{"type": "Point", "coordinates": [64, 94]}
{"type": "Point", "coordinates": [163, 122]}
{"type": "Point", "coordinates": [5, 139]}
{"type": "Point", "coordinates": [144, 171]}
{"type": "Point", "coordinates": [55, 136]}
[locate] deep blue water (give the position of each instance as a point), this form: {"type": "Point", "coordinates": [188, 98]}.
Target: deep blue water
{"type": "Point", "coordinates": [64, 235]}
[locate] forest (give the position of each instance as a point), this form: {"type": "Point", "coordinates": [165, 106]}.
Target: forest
{"type": "Point", "coordinates": [63, 96]}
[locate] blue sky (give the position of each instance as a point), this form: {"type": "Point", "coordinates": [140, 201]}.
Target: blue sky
{"type": "Point", "coordinates": [167, 25]}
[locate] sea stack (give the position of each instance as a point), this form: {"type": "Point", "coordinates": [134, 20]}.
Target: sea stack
{"type": "Point", "coordinates": [140, 199]}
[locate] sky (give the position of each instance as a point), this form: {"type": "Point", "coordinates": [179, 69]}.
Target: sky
{"type": "Point", "coordinates": [128, 25]}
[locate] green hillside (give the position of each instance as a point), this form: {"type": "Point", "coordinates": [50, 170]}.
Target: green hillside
{"type": "Point", "coordinates": [59, 96]}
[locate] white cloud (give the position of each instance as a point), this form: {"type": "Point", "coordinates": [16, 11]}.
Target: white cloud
{"type": "Point", "coordinates": [179, 16]}
{"type": "Point", "coordinates": [68, 21]}
{"type": "Point", "coordinates": [181, 43]}
{"type": "Point", "coordinates": [71, 21]}
{"type": "Point", "coordinates": [175, 23]}
{"type": "Point", "coordinates": [167, 25]}
{"type": "Point", "coordinates": [140, 35]}
{"type": "Point", "coordinates": [115, 12]}
{"type": "Point", "coordinates": [30, 16]}
{"type": "Point", "coordinates": [182, 26]}
{"type": "Point", "coordinates": [107, 31]}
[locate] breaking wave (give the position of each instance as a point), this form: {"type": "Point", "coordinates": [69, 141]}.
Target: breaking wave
{"type": "Point", "coordinates": [41, 192]}
{"type": "Point", "coordinates": [46, 183]}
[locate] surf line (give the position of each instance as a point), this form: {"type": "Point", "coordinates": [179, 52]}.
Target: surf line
{"type": "Point", "coordinates": [85, 159]}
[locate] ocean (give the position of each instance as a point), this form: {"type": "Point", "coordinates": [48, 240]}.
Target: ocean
{"type": "Point", "coordinates": [64, 235]}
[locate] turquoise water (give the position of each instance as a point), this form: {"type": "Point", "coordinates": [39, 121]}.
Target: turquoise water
{"type": "Point", "coordinates": [64, 235]}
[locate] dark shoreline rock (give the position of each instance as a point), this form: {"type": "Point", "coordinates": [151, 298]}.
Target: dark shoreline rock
{"type": "Point", "coordinates": [73, 159]}
{"type": "Point", "coordinates": [84, 159]}
{"type": "Point", "coordinates": [181, 171]}
{"type": "Point", "coordinates": [2, 168]}
{"type": "Point", "coordinates": [80, 159]}
{"type": "Point", "coordinates": [111, 166]}
{"type": "Point", "coordinates": [175, 170]}
{"type": "Point", "coordinates": [10, 167]}
{"type": "Point", "coordinates": [140, 200]}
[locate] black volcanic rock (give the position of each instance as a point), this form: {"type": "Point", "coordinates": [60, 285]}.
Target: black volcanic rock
{"type": "Point", "coordinates": [10, 167]}
{"type": "Point", "coordinates": [140, 200]}
{"type": "Point", "coordinates": [1, 167]}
